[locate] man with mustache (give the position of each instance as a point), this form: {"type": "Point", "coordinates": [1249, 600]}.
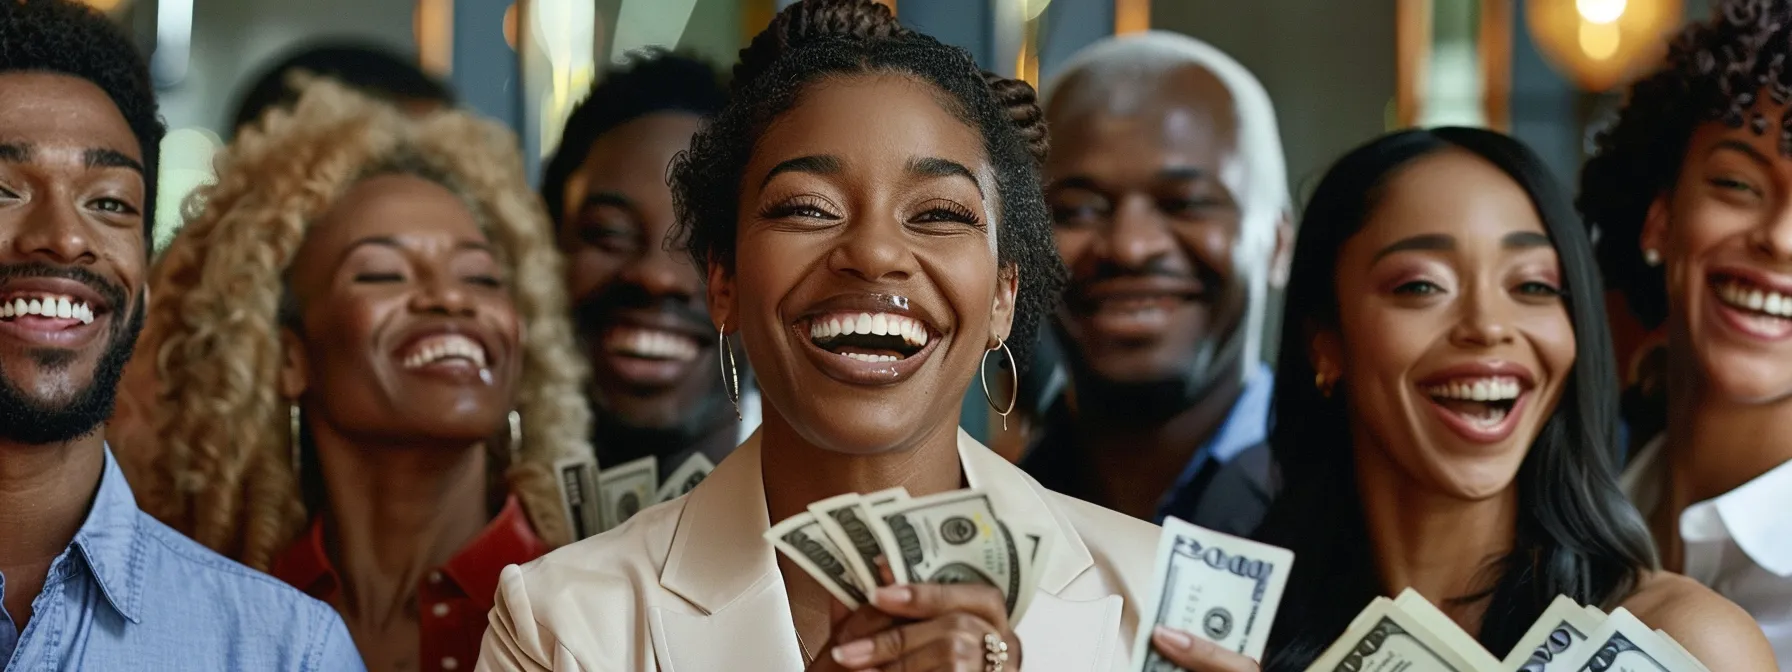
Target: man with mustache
{"type": "Point", "coordinates": [1170, 203]}
{"type": "Point", "coordinates": [88, 581]}
{"type": "Point", "coordinates": [657, 387]}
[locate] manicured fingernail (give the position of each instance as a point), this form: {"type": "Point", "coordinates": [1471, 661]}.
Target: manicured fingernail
{"type": "Point", "coordinates": [854, 653]}
{"type": "Point", "coordinates": [894, 595]}
{"type": "Point", "coordinates": [1173, 638]}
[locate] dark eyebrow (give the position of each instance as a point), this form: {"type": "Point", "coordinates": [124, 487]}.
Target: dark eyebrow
{"type": "Point", "coordinates": [932, 166]}
{"type": "Point", "coordinates": [1428, 242]}
{"type": "Point", "coordinates": [388, 241]}
{"type": "Point", "coordinates": [1524, 240]}
{"type": "Point", "coordinates": [821, 164]}
{"type": "Point", "coordinates": [610, 198]}
{"type": "Point", "coordinates": [1744, 148]}
{"type": "Point", "coordinates": [1182, 174]}
{"type": "Point", "coordinates": [15, 152]}
{"type": "Point", "coordinates": [1082, 182]}
{"type": "Point", "coordinates": [110, 158]}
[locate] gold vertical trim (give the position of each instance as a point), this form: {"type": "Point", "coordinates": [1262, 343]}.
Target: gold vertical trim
{"type": "Point", "coordinates": [1412, 53]}
{"type": "Point", "coordinates": [432, 25]}
{"type": "Point", "coordinates": [1132, 16]}
{"type": "Point", "coordinates": [1496, 63]}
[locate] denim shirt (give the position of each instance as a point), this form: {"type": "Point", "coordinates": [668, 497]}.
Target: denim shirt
{"type": "Point", "coordinates": [130, 593]}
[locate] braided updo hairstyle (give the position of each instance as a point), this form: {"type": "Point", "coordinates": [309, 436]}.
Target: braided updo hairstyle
{"type": "Point", "coordinates": [819, 39]}
{"type": "Point", "coordinates": [1716, 70]}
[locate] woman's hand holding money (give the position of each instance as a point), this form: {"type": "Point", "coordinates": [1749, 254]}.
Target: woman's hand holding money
{"type": "Point", "coordinates": [927, 627]}
{"type": "Point", "coordinates": [1198, 655]}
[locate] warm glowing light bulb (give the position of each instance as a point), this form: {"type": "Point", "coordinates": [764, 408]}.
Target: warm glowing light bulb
{"type": "Point", "coordinates": [103, 5]}
{"type": "Point", "coordinates": [510, 26]}
{"type": "Point", "coordinates": [1600, 11]}
{"type": "Point", "coordinates": [1599, 41]}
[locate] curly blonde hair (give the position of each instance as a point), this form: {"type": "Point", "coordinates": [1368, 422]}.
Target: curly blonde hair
{"type": "Point", "coordinates": [222, 469]}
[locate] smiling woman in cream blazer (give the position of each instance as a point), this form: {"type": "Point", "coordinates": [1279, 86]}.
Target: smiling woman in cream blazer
{"type": "Point", "coordinates": [690, 585]}
{"type": "Point", "coordinates": [868, 209]}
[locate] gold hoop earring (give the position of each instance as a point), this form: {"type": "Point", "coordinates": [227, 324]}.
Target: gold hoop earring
{"type": "Point", "coordinates": [516, 437]}
{"type": "Point", "coordinates": [294, 426]}
{"type": "Point", "coordinates": [1323, 384]}
{"type": "Point", "coordinates": [730, 377]}
{"type": "Point", "coordinates": [1013, 372]}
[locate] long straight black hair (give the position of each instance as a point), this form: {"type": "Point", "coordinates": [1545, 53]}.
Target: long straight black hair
{"type": "Point", "coordinates": [1577, 535]}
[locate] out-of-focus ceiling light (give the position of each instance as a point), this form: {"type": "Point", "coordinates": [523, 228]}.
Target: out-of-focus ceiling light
{"type": "Point", "coordinates": [1602, 44]}
{"type": "Point", "coordinates": [107, 6]}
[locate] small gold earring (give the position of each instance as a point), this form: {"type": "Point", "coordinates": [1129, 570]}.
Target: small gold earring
{"type": "Point", "coordinates": [730, 376]}
{"type": "Point", "coordinates": [1324, 384]}
{"type": "Point", "coordinates": [1652, 257]}
{"type": "Point", "coordinates": [294, 427]}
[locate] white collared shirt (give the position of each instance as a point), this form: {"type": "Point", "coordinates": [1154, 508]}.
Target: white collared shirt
{"type": "Point", "coordinates": [1738, 543]}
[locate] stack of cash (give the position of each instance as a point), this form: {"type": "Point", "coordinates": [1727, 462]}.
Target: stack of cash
{"type": "Point", "coordinates": [1215, 586]}
{"type": "Point", "coordinates": [854, 543]}
{"type": "Point", "coordinates": [1409, 633]}
{"type": "Point", "coordinates": [596, 501]}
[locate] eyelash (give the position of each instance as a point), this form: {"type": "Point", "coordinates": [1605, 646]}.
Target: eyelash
{"type": "Point", "coordinates": [380, 278]}
{"type": "Point", "coordinates": [122, 209]}
{"type": "Point", "coordinates": [1418, 288]}
{"type": "Point", "coordinates": [1427, 288]}
{"type": "Point", "coordinates": [805, 207]}
{"type": "Point", "coordinates": [947, 211]}
{"type": "Point", "coordinates": [1730, 184]}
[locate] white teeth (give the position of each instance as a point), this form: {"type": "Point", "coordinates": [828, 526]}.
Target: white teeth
{"type": "Point", "coordinates": [1477, 389]}
{"type": "Point", "coordinates": [55, 307]}
{"type": "Point", "coordinates": [876, 359]}
{"type": "Point", "coordinates": [1749, 297]}
{"type": "Point", "coordinates": [652, 344]}
{"type": "Point", "coordinates": [876, 324]}
{"type": "Point", "coordinates": [445, 347]}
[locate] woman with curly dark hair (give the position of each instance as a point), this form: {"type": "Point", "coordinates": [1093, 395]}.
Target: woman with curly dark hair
{"type": "Point", "coordinates": [1690, 193]}
{"type": "Point", "coordinates": [860, 170]}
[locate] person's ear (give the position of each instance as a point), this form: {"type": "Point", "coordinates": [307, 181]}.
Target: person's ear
{"type": "Point", "coordinates": [295, 368]}
{"type": "Point", "coordinates": [1001, 323]}
{"type": "Point", "coordinates": [720, 290]}
{"type": "Point", "coordinates": [1655, 230]}
{"type": "Point", "coordinates": [1283, 257]}
{"type": "Point", "coordinates": [1325, 349]}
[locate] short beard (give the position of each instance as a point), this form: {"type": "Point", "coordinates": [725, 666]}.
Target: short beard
{"type": "Point", "coordinates": [619, 439]}
{"type": "Point", "coordinates": [23, 420]}
{"type": "Point", "coordinates": [1155, 401]}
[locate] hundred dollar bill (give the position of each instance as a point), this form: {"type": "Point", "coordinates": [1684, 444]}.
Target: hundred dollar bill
{"type": "Point", "coordinates": [801, 539]}
{"type": "Point", "coordinates": [1440, 624]}
{"type": "Point", "coordinates": [1625, 644]}
{"type": "Point", "coordinates": [627, 488]}
{"type": "Point", "coordinates": [577, 477]}
{"type": "Point", "coordinates": [1555, 636]}
{"type": "Point", "coordinates": [1385, 637]}
{"type": "Point", "coordinates": [1035, 548]}
{"type": "Point", "coordinates": [684, 478]}
{"type": "Point", "coordinates": [951, 537]}
{"type": "Point", "coordinates": [847, 521]}
{"type": "Point", "coordinates": [1215, 586]}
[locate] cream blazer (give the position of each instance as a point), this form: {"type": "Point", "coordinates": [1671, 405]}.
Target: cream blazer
{"type": "Point", "coordinates": [691, 586]}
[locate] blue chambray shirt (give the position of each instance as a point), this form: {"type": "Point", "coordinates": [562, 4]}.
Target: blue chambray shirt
{"type": "Point", "coordinates": [130, 593]}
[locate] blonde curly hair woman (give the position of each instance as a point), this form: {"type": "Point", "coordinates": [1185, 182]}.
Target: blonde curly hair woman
{"type": "Point", "coordinates": [337, 339]}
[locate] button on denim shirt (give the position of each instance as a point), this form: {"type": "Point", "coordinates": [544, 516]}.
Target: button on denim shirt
{"type": "Point", "coordinates": [130, 593]}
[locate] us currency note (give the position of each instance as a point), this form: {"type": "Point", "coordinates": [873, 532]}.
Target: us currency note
{"type": "Point", "coordinates": [1440, 624]}
{"type": "Point", "coordinates": [1625, 644]}
{"type": "Point", "coordinates": [847, 521]}
{"type": "Point", "coordinates": [1035, 549]}
{"type": "Point", "coordinates": [1555, 636]}
{"type": "Point", "coordinates": [951, 537]}
{"type": "Point", "coordinates": [801, 539]}
{"type": "Point", "coordinates": [625, 489]}
{"type": "Point", "coordinates": [684, 478]}
{"type": "Point", "coordinates": [577, 477]}
{"type": "Point", "coordinates": [1385, 637]}
{"type": "Point", "coordinates": [1215, 586]}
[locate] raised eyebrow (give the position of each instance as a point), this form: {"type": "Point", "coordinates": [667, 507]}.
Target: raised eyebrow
{"type": "Point", "coordinates": [933, 166]}
{"type": "Point", "coordinates": [1524, 240]}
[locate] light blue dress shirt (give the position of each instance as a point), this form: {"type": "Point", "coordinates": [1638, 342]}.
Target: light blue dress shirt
{"type": "Point", "coordinates": [130, 593]}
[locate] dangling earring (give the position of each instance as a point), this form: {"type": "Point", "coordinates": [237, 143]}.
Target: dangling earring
{"type": "Point", "coordinates": [730, 377]}
{"type": "Point", "coordinates": [1013, 371]}
{"type": "Point", "coordinates": [516, 437]}
{"type": "Point", "coordinates": [1324, 384]}
{"type": "Point", "coordinates": [1652, 257]}
{"type": "Point", "coordinates": [292, 414]}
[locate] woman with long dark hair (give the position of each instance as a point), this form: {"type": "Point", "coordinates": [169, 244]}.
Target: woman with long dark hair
{"type": "Point", "coordinates": [1446, 409]}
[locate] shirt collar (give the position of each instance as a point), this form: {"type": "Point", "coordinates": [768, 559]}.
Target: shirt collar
{"type": "Point", "coordinates": [1247, 424]}
{"type": "Point", "coordinates": [110, 545]}
{"type": "Point", "coordinates": [1756, 515]}
{"type": "Point", "coordinates": [506, 540]}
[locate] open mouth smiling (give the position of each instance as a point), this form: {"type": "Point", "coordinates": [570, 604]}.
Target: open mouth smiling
{"type": "Point", "coordinates": [51, 312]}
{"type": "Point", "coordinates": [1756, 305]}
{"type": "Point", "coordinates": [1479, 402]}
{"type": "Point", "coordinates": [867, 339]}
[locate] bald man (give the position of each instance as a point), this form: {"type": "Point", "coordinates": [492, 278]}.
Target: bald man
{"type": "Point", "coordinates": [1170, 203]}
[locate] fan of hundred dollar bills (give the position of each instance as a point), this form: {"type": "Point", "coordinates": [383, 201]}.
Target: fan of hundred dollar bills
{"type": "Point", "coordinates": [1409, 633]}
{"type": "Point", "coordinates": [595, 501]}
{"type": "Point", "coordinates": [853, 543]}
